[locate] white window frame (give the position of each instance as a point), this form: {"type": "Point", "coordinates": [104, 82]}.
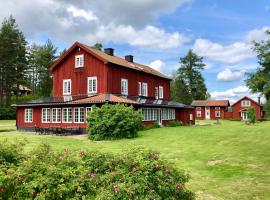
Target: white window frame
{"type": "Point", "coordinates": [68, 120]}
{"type": "Point", "coordinates": [245, 103]}
{"type": "Point", "coordinates": [190, 117]}
{"type": "Point", "coordinates": [56, 115]}
{"type": "Point", "coordinates": [217, 113]}
{"type": "Point", "coordinates": [92, 89]}
{"type": "Point", "coordinates": [46, 115]}
{"type": "Point", "coordinates": [199, 113]}
{"type": "Point", "coordinates": [160, 92]}
{"type": "Point", "coordinates": [167, 114]}
{"type": "Point", "coordinates": [78, 115]}
{"type": "Point", "coordinates": [144, 89]}
{"type": "Point", "coordinates": [140, 88]}
{"type": "Point", "coordinates": [65, 91]}
{"type": "Point", "coordinates": [79, 61]}
{"type": "Point", "coordinates": [28, 115]}
{"type": "Point", "coordinates": [150, 114]}
{"type": "Point", "coordinates": [156, 92]}
{"type": "Point", "coordinates": [124, 86]}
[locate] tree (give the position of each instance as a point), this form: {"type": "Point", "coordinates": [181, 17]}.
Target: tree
{"type": "Point", "coordinates": [13, 62]}
{"type": "Point", "coordinates": [251, 115]}
{"type": "Point", "coordinates": [41, 58]}
{"type": "Point", "coordinates": [259, 81]}
{"type": "Point", "coordinates": [97, 46]}
{"type": "Point", "coordinates": [189, 83]}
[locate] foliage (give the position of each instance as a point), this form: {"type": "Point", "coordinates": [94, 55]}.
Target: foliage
{"type": "Point", "coordinates": [97, 46]}
{"type": "Point", "coordinates": [251, 115]}
{"type": "Point", "coordinates": [7, 113]}
{"type": "Point", "coordinates": [259, 80]}
{"type": "Point", "coordinates": [174, 123]}
{"type": "Point", "coordinates": [44, 174]}
{"type": "Point", "coordinates": [13, 62]}
{"type": "Point", "coordinates": [266, 108]}
{"type": "Point", "coordinates": [188, 83]}
{"type": "Point", "coordinates": [148, 127]}
{"type": "Point", "coordinates": [113, 122]}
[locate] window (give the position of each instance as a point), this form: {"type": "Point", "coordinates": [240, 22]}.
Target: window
{"type": "Point", "coordinates": [150, 114]}
{"type": "Point", "coordinates": [67, 87]}
{"type": "Point", "coordinates": [217, 113]}
{"type": "Point", "coordinates": [124, 86]}
{"type": "Point", "coordinates": [190, 117]}
{"type": "Point", "coordinates": [245, 103]}
{"type": "Point", "coordinates": [88, 109]}
{"type": "Point", "coordinates": [139, 88]}
{"type": "Point", "coordinates": [28, 115]}
{"type": "Point", "coordinates": [168, 114]}
{"type": "Point", "coordinates": [199, 113]}
{"type": "Point", "coordinates": [46, 115]}
{"type": "Point", "coordinates": [79, 61]}
{"type": "Point", "coordinates": [56, 115]}
{"type": "Point", "coordinates": [156, 92]}
{"type": "Point", "coordinates": [160, 92]}
{"type": "Point", "coordinates": [92, 85]}
{"type": "Point", "coordinates": [144, 89]}
{"type": "Point", "coordinates": [67, 115]}
{"type": "Point", "coordinates": [78, 115]}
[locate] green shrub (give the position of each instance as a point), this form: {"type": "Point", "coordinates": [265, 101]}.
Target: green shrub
{"type": "Point", "coordinates": [133, 174]}
{"type": "Point", "coordinates": [174, 123]}
{"type": "Point", "coordinates": [7, 113]}
{"type": "Point", "coordinates": [251, 115]}
{"type": "Point", "coordinates": [113, 122]}
{"type": "Point", "coordinates": [148, 127]}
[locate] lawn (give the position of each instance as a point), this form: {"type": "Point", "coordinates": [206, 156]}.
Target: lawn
{"type": "Point", "coordinates": [226, 161]}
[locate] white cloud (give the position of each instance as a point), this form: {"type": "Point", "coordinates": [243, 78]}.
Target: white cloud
{"type": "Point", "coordinates": [157, 65]}
{"type": "Point", "coordinates": [234, 92]}
{"type": "Point", "coordinates": [228, 75]}
{"type": "Point", "coordinates": [75, 12]}
{"type": "Point", "coordinates": [257, 34]}
{"type": "Point", "coordinates": [232, 53]}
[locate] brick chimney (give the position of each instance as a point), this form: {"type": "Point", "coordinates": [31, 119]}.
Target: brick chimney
{"type": "Point", "coordinates": [129, 58]}
{"type": "Point", "coordinates": [109, 51]}
{"type": "Point", "coordinates": [259, 100]}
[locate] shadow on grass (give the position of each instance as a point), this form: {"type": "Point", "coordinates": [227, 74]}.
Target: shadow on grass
{"type": "Point", "coordinates": [7, 130]}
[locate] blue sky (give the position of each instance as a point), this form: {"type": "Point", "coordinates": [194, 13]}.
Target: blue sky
{"type": "Point", "coordinates": [156, 32]}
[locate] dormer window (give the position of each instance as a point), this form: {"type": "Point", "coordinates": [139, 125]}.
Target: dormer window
{"type": "Point", "coordinates": [92, 85]}
{"type": "Point", "coordinates": [160, 92]}
{"type": "Point", "coordinates": [67, 87]}
{"type": "Point", "coordinates": [245, 103]}
{"type": "Point", "coordinates": [79, 61]}
{"type": "Point", "coordinates": [124, 86]}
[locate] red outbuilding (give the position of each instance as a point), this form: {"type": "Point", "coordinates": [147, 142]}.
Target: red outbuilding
{"type": "Point", "coordinates": [84, 76]}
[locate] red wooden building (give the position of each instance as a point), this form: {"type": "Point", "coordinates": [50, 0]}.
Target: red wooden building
{"type": "Point", "coordinates": [211, 109]}
{"type": "Point", "coordinates": [214, 109]}
{"type": "Point", "coordinates": [84, 76]}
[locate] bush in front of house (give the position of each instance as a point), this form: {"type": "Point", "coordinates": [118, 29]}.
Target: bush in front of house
{"type": "Point", "coordinates": [113, 122]}
{"type": "Point", "coordinates": [251, 115]}
{"type": "Point", "coordinates": [7, 113]}
{"type": "Point", "coordinates": [133, 174]}
{"type": "Point", "coordinates": [174, 123]}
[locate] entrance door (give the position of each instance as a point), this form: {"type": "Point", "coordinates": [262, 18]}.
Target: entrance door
{"type": "Point", "coordinates": [207, 112]}
{"type": "Point", "coordinates": [244, 116]}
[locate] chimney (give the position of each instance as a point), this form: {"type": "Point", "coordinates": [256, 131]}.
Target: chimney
{"type": "Point", "coordinates": [259, 100]}
{"type": "Point", "coordinates": [129, 58]}
{"type": "Point", "coordinates": [109, 51]}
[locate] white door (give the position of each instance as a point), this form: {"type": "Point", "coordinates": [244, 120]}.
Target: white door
{"type": "Point", "coordinates": [244, 115]}
{"type": "Point", "coordinates": [207, 112]}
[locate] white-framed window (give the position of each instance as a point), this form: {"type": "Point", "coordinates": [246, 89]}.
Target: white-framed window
{"type": "Point", "coordinates": [56, 115]}
{"type": "Point", "coordinates": [78, 115]}
{"type": "Point", "coordinates": [67, 87]}
{"type": "Point", "coordinates": [46, 115]}
{"type": "Point", "coordinates": [190, 117]}
{"type": "Point", "coordinates": [160, 92]}
{"type": "Point", "coordinates": [199, 113]}
{"type": "Point", "coordinates": [28, 115]}
{"type": "Point", "coordinates": [79, 61]}
{"type": "Point", "coordinates": [217, 113]}
{"type": "Point", "coordinates": [92, 85]}
{"type": "Point", "coordinates": [245, 103]}
{"type": "Point", "coordinates": [67, 115]}
{"type": "Point", "coordinates": [150, 114]}
{"type": "Point", "coordinates": [198, 108]}
{"type": "Point", "coordinates": [144, 89]}
{"type": "Point", "coordinates": [156, 92]}
{"type": "Point", "coordinates": [124, 86]}
{"type": "Point", "coordinates": [139, 88]}
{"type": "Point", "coordinates": [168, 114]}
{"type": "Point", "coordinates": [217, 108]}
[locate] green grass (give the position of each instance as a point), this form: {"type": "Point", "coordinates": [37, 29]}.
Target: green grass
{"type": "Point", "coordinates": [227, 161]}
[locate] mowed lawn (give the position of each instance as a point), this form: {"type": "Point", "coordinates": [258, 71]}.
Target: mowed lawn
{"type": "Point", "coordinates": [227, 161]}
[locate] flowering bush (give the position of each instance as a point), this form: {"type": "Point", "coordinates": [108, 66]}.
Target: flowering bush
{"type": "Point", "coordinates": [113, 122]}
{"type": "Point", "coordinates": [135, 174]}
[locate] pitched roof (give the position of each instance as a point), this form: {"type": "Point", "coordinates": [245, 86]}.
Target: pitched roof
{"type": "Point", "coordinates": [245, 97]}
{"type": "Point", "coordinates": [111, 59]}
{"type": "Point", "coordinates": [105, 98]}
{"type": "Point", "coordinates": [210, 103]}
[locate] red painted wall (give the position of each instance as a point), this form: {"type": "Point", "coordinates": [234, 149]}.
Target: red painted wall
{"type": "Point", "coordinates": [237, 107]}
{"type": "Point", "coordinates": [116, 73]}
{"type": "Point", "coordinates": [183, 115]}
{"type": "Point", "coordinates": [223, 112]}
{"type": "Point", "coordinates": [78, 76]}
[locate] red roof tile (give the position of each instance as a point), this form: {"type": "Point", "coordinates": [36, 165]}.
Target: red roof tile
{"type": "Point", "coordinates": [210, 103]}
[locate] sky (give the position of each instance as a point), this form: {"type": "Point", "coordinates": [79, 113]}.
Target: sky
{"type": "Point", "coordinates": [156, 32]}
